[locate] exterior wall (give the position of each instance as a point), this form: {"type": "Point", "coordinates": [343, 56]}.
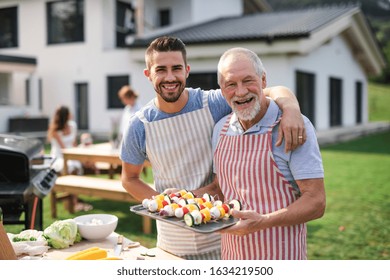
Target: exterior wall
{"type": "Point", "coordinates": [203, 10]}
{"type": "Point", "coordinates": [107, 13]}
{"type": "Point", "coordinates": [333, 60]}
{"type": "Point", "coordinates": [190, 11]}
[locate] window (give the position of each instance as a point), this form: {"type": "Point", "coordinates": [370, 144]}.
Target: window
{"type": "Point", "coordinates": [9, 27]}
{"type": "Point", "coordinates": [65, 21]}
{"type": "Point", "coordinates": [305, 83]}
{"type": "Point", "coordinates": [28, 94]}
{"type": "Point", "coordinates": [81, 110]}
{"type": "Point", "coordinates": [125, 22]}
{"type": "Point", "coordinates": [165, 17]}
{"type": "Point", "coordinates": [114, 83]}
{"type": "Point", "coordinates": [40, 95]}
{"type": "Point", "coordinates": [359, 101]}
{"type": "Point", "coordinates": [203, 80]}
{"type": "Point", "coordinates": [5, 90]}
{"type": "Point", "coordinates": [335, 87]}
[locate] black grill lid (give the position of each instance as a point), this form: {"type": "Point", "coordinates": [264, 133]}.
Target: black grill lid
{"type": "Point", "coordinates": [16, 152]}
{"type": "Point", "coordinates": [27, 146]}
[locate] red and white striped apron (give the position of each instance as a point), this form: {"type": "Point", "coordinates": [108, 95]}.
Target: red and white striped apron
{"type": "Point", "coordinates": [247, 171]}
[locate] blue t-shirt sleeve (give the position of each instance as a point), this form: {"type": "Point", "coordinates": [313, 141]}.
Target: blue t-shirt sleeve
{"type": "Point", "coordinates": [305, 162]}
{"type": "Point", "coordinates": [218, 105]}
{"type": "Point", "coordinates": [133, 148]}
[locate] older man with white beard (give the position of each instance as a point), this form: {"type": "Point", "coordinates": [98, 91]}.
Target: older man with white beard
{"type": "Point", "coordinates": [279, 191]}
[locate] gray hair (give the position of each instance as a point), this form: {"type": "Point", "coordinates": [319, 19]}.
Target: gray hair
{"type": "Point", "coordinates": [256, 61]}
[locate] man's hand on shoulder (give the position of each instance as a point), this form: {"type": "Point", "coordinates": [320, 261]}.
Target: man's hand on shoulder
{"type": "Point", "coordinates": [292, 126]}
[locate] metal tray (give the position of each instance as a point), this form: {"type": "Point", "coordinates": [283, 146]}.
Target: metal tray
{"type": "Point", "coordinates": [212, 226]}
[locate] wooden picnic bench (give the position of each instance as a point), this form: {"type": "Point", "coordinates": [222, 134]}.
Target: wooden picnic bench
{"type": "Point", "coordinates": [91, 186]}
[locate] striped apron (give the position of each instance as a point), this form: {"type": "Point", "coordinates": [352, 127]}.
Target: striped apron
{"type": "Point", "coordinates": [180, 152]}
{"type": "Point", "coordinates": [247, 171]}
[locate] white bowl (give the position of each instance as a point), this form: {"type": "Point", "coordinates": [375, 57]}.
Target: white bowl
{"type": "Point", "coordinates": [96, 226]}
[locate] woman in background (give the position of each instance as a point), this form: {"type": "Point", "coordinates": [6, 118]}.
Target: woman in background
{"type": "Point", "coordinates": [62, 133]}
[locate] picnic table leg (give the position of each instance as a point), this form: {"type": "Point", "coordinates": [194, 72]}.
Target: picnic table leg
{"type": "Point", "coordinates": [72, 199]}
{"type": "Point", "coordinates": [147, 225]}
{"type": "Point", "coordinates": [53, 204]}
{"type": "Point", "coordinates": [111, 172]}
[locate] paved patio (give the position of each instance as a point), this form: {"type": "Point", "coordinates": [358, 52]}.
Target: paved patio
{"type": "Point", "coordinates": [337, 135]}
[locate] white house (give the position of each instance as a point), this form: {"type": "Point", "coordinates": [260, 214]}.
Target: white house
{"type": "Point", "coordinates": [79, 52]}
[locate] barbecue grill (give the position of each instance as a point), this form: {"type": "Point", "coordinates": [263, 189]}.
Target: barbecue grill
{"type": "Point", "coordinates": [26, 177]}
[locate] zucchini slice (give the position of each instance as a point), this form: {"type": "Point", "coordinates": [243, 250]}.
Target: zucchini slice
{"type": "Point", "coordinates": [235, 204]}
{"type": "Point", "coordinates": [197, 217]}
{"type": "Point", "coordinates": [189, 220]}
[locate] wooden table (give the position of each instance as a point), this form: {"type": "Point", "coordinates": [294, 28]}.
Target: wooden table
{"type": "Point", "coordinates": [93, 153]}
{"type": "Point", "coordinates": [103, 152]}
{"type": "Point", "coordinates": [6, 250]}
{"type": "Point", "coordinates": [108, 244]}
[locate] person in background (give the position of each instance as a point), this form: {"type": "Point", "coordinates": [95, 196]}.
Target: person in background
{"type": "Point", "coordinates": [61, 134]}
{"type": "Point", "coordinates": [86, 139]}
{"type": "Point", "coordinates": [173, 131]}
{"type": "Point", "coordinates": [128, 98]}
{"type": "Point", "coordinates": [279, 191]}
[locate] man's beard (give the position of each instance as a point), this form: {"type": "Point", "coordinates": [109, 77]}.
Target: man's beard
{"type": "Point", "coordinates": [248, 113]}
{"type": "Point", "coordinates": [170, 96]}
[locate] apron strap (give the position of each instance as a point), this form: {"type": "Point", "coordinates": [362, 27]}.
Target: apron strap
{"type": "Point", "coordinates": [274, 124]}
{"type": "Point", "coordinates": [226, 125]}
{"type": "Point", "coordinates": [269, 133]}
{"type": "Point", "coordinates": [141, 116]}
{"type": "Point", "coordinates": [205, 99]}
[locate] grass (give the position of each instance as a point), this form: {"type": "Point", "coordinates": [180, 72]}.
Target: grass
{"type": "Point", "coordinates": [379, 98]}
{"type": "Point", "coordinates": [356, 224]}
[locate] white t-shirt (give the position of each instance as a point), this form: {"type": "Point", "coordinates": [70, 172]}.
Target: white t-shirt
{"type": "Point", "coordinates": [56, 150]}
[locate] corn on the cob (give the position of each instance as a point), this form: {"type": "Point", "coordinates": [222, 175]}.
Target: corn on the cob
{"type": "Point", "coordinates": [82, 252]}
{"type": "Point", "coordinates": [111, 258]}
{"type": "Point", "coordinates": [93, 253]}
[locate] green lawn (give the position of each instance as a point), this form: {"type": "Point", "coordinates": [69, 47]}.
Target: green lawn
{"type": "Point", "coordinates": [379, 100]}
{"type": "Point", "coordinates": [356, 224]}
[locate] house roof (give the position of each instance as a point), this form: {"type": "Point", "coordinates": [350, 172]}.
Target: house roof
{"type": "Point", "coordinates": [260, 26]}
{"type": "Point", "coordinates": [271, 27]}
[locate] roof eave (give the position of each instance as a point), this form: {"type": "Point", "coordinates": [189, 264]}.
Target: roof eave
{"type": "Point", "coordinates": [142, 43]}
{"type": "Point", "coordinates": [10, 63]}
{"type": "Point", "coordinates": [365, 45]}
